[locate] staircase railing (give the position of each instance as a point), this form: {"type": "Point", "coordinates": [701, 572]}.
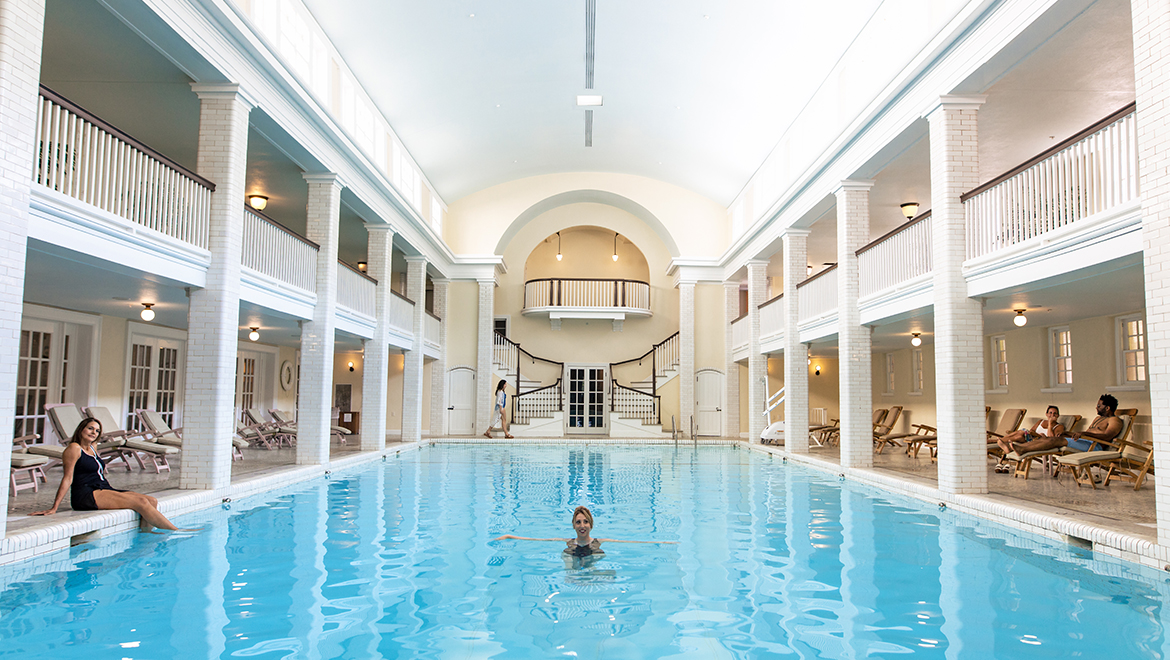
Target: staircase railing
{"type": "Point", "coordinates": [508, 353]}
{"type": "Point", "coordinates": [540, 402]}
{"type": "Point", "coordinates": [631, 403]}
{"type": "Point", "coordinates": [663, 356]}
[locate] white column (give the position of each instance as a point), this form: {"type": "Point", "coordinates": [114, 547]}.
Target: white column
{"type": "Point", "coordinates": [22, 26]}
{"type": "Point", "coordinates": [1151, 24]}
{"type": "Point", "coordinates": [439, 366]}
{"type": "Point", "coordinates": [686, 353]}
{"type": "Point", "coordinates": [795, 353]}
{"type": "Point", "coordinates": [317, 336]}
{"type": "Point", "coordinates": [483, 363]}
{"type": "Point", "coordinates": [958, 319]}
{"type": "Point", "coordinates": [376, 361]}
{"type": "Point", "coordinates": [731, 407]}
{"type": "Point", "coordinates": [856, 398]}
{"type": "Point", "coordinates": [412, 369]}
{"type": "Point", "coordinates": [757, 362]}
{"type": "Point", "coordinates": [213, 314]}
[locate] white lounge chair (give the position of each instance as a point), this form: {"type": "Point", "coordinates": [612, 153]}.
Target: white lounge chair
{"type": "Point", "coordinates": [65, 418]}
{"type": "Point", "coordinates": [27, 464]}
{"type": "Point", "coordinates": [136, 441]}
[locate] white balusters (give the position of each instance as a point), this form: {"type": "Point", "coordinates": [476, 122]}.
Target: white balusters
{"type": "Point", "coordinates": [401, 313]}
{"type": "Point", "coordinates": [432, 329]}
{"type": "Point", "coordinates": [628, 294]}
{"type": "Point", "coordinates": [278, 253]}
{"type": "Point", "coordinates": [772, 318]}
{"type": "Point", "coordinates": [818, 294]}
{"type": "Point", "coordinates": [355, 290]}
{"type": "Point", "coordinates": [740, 333]}
{"type": "Point", "coordinates": [896, 258]}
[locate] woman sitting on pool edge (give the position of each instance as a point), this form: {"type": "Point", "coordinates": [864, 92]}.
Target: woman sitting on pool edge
{"type": "Point", "coordinates": [584, 545]}
{"type": "Point", "coordinates": [85, 478]}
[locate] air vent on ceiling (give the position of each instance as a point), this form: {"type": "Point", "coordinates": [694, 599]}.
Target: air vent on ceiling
{"type": "Point", "coordinates": [590, 34]}
{"type": "Point", "coordinates": [589, 128]}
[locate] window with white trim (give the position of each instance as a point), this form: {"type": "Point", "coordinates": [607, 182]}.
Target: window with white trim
{"type": "Point", "coordinates": [999, 366]}
{"type": "Point", "coordinates": [1131, 347]}
{"type": "Point", "coordinates": [916, 375]}
{"type": "Point", "coordinates": [1060, 356]}
{"type": "Point", "coordinates": [889, 374]}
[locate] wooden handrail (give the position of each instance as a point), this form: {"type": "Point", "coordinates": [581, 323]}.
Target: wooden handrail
{"type": "Point", "coordinates": [356, 270]}
{"type": "Point", "coordinates": [539, 389]}
{"type": "Point", "coordinates": [281, 227]}
{"type": "Point", "coordinates": [122, 135]}
{"type": "Point", "coordinates": [433, 315]}
{"type": "Point", "coordinates": [1098, 125]}
{"type": "Point", "coordinates": [810, 279]}
{"type": "Point", "coordinates": [900, 228]}
{"type": "Point", "coordinates": [740, 317]}
{"type": "Point", "coordinates": [765, 304]}
{"type": "Point", "coordinates": [584, 279]}
{"type": "Point", "coordinates": [402, 296]}
{"type": "Point", "coordinates": [644, 355]}
{"type": "Point", "coordinates": [534, 357]}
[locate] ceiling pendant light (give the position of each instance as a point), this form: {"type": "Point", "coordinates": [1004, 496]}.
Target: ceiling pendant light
{"type": "Point", "coordinates": [257, 202]}
{"type": "Point", "coordinates": [254, 335]}
{"type": "Point", "coordinates": [615, 246]}
{"type": "Point", "coordinates": [916, 340]}
{"type": "Point", "coordinates": [1020, 319]}
{"type": "Point", "coordinates": [559, 255]}
{"type": "Point", "coordinates": [147, 313]}
{"type": "Point", "coordinates": [910, 209]}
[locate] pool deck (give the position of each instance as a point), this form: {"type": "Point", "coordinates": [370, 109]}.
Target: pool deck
{"type": "Point", "coordinates": [1117, 520]}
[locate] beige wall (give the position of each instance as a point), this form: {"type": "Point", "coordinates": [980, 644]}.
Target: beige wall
{"type": "Point", "coordinates": [917, 408]}
{"type": "Point", "coordinates": [587, 252]}
{"type": "Point", "coordinates": [709, 328]}
{"type": "Point", "coordinates": [462, 321]}
{"type": "Point", "coordinates": [112, 365]}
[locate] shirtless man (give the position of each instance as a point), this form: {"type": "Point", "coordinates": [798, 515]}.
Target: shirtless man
{"type": "Point", "coordinates": [1105, 427]}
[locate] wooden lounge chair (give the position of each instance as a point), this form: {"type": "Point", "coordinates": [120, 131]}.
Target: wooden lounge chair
{"type": "Point", "coordinates": [285, 419]}
{"type": "Point", "coordinates": [885, 428]}
{"type": "Point", "coordinates": [28, 464]}
{"type": "Point", "coordinates": [160, 432]}
{"type": "Point", "coordinates": [135, 441]}
{"type": "Point", "coordinates": [1008, 422]}
{"type": "Point", "coordinates": [1136, 461]}
{"type": "Point", "coordinates": [252, 435]}
{"type": "Point", "coordinates": [65, 418]}
{"type": "Point", "coordinates": [1023, 462]}
{"type": "Point", "coordinates": [1080, 463]}
{"type": "Point", "coordinates": [923, 436]}
{"type": "Point", "coordinates": [285, 435]}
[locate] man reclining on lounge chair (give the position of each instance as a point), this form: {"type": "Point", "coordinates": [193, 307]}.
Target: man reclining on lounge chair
{"type": "Point", "coordinates": [1045, 434]}
{"type": "Point", "coordinates": [1105, 428]}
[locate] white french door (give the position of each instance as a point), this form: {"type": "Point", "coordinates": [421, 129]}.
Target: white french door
{"type": "Point", "coordinates": [709, 390]}
{"type": "Point", "coordinates": [42, 375]}
{"type": "Point", "coordinates": [252, 386]}
{"type": "Point", "coordinates": [586, 389]}
{"type": "Point", "coordinates": [155, 369]}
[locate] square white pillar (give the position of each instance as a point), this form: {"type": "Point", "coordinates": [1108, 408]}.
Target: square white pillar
{"type": "Point", "coordinates": [757, 362]}
{"type": "Point", "coordinates": [958, 319]}
{"type": "Point", "coordinates": [412, 376]}
{"type": "Point", "coordinates": [439, 365]}
{"type": "Point", "coordinates": [376, 361]}
{"type": "Point", "coordinates": [213, 315]}
{"type": "Point", "coordinates": [22, 27]}
{"type": "Point", "coordinates": [795, 352]}
{"type": "Point", "coordinates": [484, 346]}
{"type": "Point", "coordinates": [686, 353]}
{"type": "Point", "coordinates": [856, 386]}
{"type": "Point", "coordinates": [314, 418]}
{"type": "Point", "coordinates": [730, 313]}
{"type": "Point", "coordinates": [1151, 24]}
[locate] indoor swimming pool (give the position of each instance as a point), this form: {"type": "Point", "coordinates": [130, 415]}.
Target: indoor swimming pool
{"type": "Point", "coordinates": [397, 560]}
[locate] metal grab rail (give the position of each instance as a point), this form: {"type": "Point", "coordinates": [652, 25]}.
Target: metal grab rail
{"type": "Point", "coordinates": [631, 403]}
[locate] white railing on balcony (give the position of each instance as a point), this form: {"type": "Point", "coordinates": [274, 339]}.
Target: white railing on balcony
{"type": "Point", "coordinates": [817, 294]}
{"type": "Point", "coordinates": [772, 317]}
{"type": "Point", "coordinates": [355, 289]}
{"type": "Point", "coordinates": [272, 250]}
{"type": "Point", "coordinates": [83, 157]}
{"type": "Point", "coordinates": [432, 329]}
{"type": "Point", "coordinates": [897, 257]}
{"type": "Point", "coordinates": [740, 333]}
{"type": "Point", "coordinates": [401, 313]}
{"type": "Point", "coordinates": [559, 292]}
{"type": "Point", "coordinates": [1090, 172]}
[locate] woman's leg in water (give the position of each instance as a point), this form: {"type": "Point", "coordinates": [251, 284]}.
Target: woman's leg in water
{"type": "Point", "coordinates": [145, 505]}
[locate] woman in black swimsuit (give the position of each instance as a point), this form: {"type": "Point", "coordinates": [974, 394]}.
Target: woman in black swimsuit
{"type": "Point", "coordinates": [584, 545]}
{"type": "Point", "coordinates": [85, 478]}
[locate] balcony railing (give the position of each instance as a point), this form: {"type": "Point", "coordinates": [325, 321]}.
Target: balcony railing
{"type": "Point", "coordinates": [401, 312]}
{"type": "Point", "coordinates": [1090, 172]}
{"type": "Point", "coordinates": [578, 292]}
{"type": "Point", "coordinates": [355, 289]}
{"type": "Point", "coordinates": [740, 333]}
{"type": "Point", "coordinates": [272, 250]}
{"type": "Point", "coordinates": [772, 317]}
{"type": "Point", "coordinates": [818, 294]}
{"type": "Point", "coordinates": [86, 158]}
{"type": "Point", "coordinates": [900, 256]}
{"type": "Point", "coordinates": [432, 329]}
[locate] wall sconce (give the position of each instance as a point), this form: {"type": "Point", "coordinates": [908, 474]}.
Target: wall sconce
{"type": "Point", "coordinates": [362, 266]}
{"type": "Point", "coordinates": [559, 255]}
{"type": "Point", "coordinates": [817, 370]}
{"type": "Point", "coordinates": [910, 209]}
{"type": "Point", "coordinates": [1020, 319]}
{"type": "Point", "coordinates": [350, 365]}
{"type": "Point", "coordinates": [147, 313]}
{"type": "Point", "coordinates": [254, 335]}
{"type": "Point", "coordinates": [916, 340]}
{"type": "Point", "coordinates": [257, 202]}
{"type": "Point", "coordinates": [615, 246]}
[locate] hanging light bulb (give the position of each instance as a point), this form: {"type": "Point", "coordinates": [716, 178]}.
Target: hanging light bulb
{"type": "Point", "coordinates": [147, 313]}
{"type": "Point", "coordinates": [916, 340]}
{"type": "Point", "coordinates": [559, 255]}
{"type": "Point", "coordinates": [615, 246]}
{"type": "Point", "coordinates": [254, 335]}
{"type": "Point", "coordinates": [1020, 319]}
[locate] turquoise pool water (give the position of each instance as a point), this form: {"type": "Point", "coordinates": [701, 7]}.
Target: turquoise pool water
{"type": "Point", "coordinates": [398, 561]}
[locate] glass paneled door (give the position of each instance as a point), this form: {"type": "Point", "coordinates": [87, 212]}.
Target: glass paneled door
{"type": "Point", "coordinates": [42, 376]}
{"type": "Point", "coordinates": [587, 394]}
{"type": "Point", "coordinates": [155, 370]}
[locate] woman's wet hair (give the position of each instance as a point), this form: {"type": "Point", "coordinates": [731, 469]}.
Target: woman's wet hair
{"type": "Point", "coordinates": [80, 427]}
{"type": "Point", "coordinates": [585, 512]}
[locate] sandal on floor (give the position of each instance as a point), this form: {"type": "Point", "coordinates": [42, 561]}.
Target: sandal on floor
{"type": "Point", "coordinates": [1002, 468]}
{"type": "Point", "coordinates": [510, 437]}
{"type": "Point", "coordinates": [488, 435]}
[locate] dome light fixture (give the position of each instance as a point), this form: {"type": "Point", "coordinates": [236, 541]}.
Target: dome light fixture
{"type": "Point", "coordinates": [363, 266]}
{"type": "Point", "coordinates": [910, 209]}
{"type": "Point", "coordinates": [350, 365]}
{"type": "Point", "coordinates": [258, 202]}
{"type": "Point", "coordinates": [254, 335]}
{"type": "Point", "coordinates": [1020, 319]}
{"type": "Point", "coordinates": [147, 313]}
{"type": "Point", "coordinates": [615, 246]}
{"type": "Point", "coordinates": [559, 255]}
{"type": "Point", "coordinates": [817, 370]}
{"type": "Point", "coordinates": [916, 339]}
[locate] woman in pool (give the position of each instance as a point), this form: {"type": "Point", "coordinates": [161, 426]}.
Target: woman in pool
{"type": "Point", "coordinates": [584, 545]}
{"type": "Point", "coordinates": [500, 417]}
{"type": "Point", "coordinates": [85, 478]}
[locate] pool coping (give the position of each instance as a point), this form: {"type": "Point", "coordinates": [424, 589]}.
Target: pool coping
{"type": "Point", "coordinates": [1025, 516]}
{"type": "Point", "coordinates": [59, 531]}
